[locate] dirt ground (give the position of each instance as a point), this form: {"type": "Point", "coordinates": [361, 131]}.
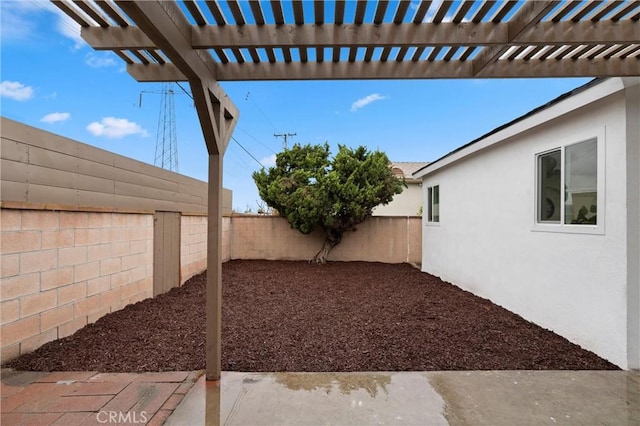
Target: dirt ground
{"type": "Point", "coordinates": [296, 316]}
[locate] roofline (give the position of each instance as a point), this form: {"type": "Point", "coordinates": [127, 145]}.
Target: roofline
{"type": "Point", "coordinates": [557, 107]}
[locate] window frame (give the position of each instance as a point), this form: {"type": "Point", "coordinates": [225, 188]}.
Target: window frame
{"type": "Point", "coordinates": [430, 203]}
{"type": "Point", "coordinates": [563, 227]}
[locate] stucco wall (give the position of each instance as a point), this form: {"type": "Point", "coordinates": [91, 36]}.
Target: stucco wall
{"type": "Point", "coordinates": [407, 203]}
{"type": "Point", "coordinates": [573, 284]}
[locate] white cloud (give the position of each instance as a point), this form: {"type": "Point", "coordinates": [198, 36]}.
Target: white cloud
{"type": "Point", "coordinates": [360, 103]}
{"type": "Point", "coordinates": [269, 161]}
{"type": "Point", "coordinates": [95, 60]}
{"type": "Point", "coordinates": [55, 117]}
{"type": "Point", "coordinates": [16, 90]}
{"type": "Point", "coordinates": [115, 128]}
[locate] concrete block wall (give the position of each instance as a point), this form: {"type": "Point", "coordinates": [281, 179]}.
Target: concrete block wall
{"type": "Point", "coordinates": [64, 269]}
{"type": "Point", "coordinates": [193, 246]}
{"type": "Point", "coordinates": [378, 239]}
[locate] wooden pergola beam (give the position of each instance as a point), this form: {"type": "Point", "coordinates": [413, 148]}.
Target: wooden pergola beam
{"type": "Point", "coordinates": [524, 19]}
{"type": "Point", "coordinates": [382, 35]}
{"type": "Point", "coordinates": [378, 70]}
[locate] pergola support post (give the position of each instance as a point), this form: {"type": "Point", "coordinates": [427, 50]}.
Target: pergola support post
{"type": "Point", "coordinates": [214, 270]}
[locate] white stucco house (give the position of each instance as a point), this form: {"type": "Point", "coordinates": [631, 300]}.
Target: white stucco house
{"type": "Point", "coordinates": [409, 201]}
{"type": "Point", "coordinates": [542, 216]}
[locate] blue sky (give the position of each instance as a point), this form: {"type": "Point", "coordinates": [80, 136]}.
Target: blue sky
{"type": "Point", "coordinates": [52, 80]}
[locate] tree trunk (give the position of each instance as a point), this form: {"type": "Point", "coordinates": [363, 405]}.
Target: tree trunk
{"type": "Point", "coordinates": [329, 243]}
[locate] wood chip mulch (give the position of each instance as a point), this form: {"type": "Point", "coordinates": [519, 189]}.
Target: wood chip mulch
{"type": "Point", "coordinates": [296, 316]}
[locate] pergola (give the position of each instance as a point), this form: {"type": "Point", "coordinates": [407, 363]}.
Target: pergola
{"type": "Point", "coordinates": [204, 42]}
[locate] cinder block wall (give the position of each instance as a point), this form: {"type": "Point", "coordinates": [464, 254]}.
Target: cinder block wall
{"type": "Point", "coordinates": [193, 244]}
{"type": "Point", "coordinates": [76, 234]}
{"type": "Point", "coordinates": [378, 239]}
{"type": "Point", "coordinates": [62, 270]}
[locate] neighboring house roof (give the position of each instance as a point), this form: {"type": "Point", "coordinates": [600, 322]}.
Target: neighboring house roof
{"type": "Point", "coordinates": [408, 168]}
{"type": "Point", "coordinates": [500, 133]}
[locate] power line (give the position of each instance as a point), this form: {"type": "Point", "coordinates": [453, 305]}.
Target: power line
{"type": "Point", "coordinates": [261, 112]}
{"type": "Point", "coordinates": [184, 90]}
{"type": "Point", "coordinates": [254, 138]}
{"type": "Point", "coordinates": [245, 150]}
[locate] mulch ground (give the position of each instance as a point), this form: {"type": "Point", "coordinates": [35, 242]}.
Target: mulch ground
{"type": "Point", "coordinates": [296, 316]}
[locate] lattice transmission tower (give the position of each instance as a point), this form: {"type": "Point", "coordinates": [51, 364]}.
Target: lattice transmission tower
{"type": "Point", "coordinates": [166, 155]}
{"type": "Point", "coordinates": [166, 142]}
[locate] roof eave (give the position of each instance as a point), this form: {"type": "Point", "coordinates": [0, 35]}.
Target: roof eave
{"type": "Point", "coordinates": [564, 104]}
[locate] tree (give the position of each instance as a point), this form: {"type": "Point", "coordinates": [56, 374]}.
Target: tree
{"type": "Point", "coordinates": [335, 194]}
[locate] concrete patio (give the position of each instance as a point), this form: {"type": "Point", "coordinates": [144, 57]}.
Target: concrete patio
{"type": "Point", "coordinates": [359, 398]}
{"type": "Point", "coordinates": [415, 398]}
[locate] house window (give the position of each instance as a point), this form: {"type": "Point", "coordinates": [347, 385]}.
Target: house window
{"type": "Point", "coordinates": [568, 185]}
{"type": "Point", "coordinates": [433, 203]}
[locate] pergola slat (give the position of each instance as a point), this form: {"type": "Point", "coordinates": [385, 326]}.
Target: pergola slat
{"type": "Point", "coordinates": [70, 11]}
{"type": "Point", "coordinates": [158, 58]}
{"type": "Point", "coordinates": [256, 10]}
{"type": "Point", "coordinates": [584, 10]}
{"type": "Point", "coordinates": [421, 12]}
{"type": "Point", "coordinates": [111, 11]}
{"type": "Point", "coordinates": [467, 52]}
{"type": "Point", "coordinates": [298, 12]}
{"type": "Point", "coordinates": [195, 12]}
{"type": "Point", "coordinates": [92, 12]}
{"type": "Point", "coordinates": [216, 12]}
{"type": "Point", "coordinates": [384, 56]}
{"type": "Point", "coordinates": [630, 51]}
{"type": "Point", "coordinates": [276, 8]}
{"type": "Point", "coordinates": [564, 10]}
{"type": "Point", "coordinates": [450, 53]}
{"type": "Point", "coordinates": [418, 52]}
{"type": "Point", "coordinates": [380, 11]}
{"type": "Point", "coordinates": [141, 56]}
{"type": "Point", "coordinates": [442, 11]}
{"type": "Point", "coordinates": [502, 12]}
{"type": "Point", "coordinates": [615, 51]}
{"type": "Point", "coordinates": [434, 53]}
{"type": "Point", "coordinates": [402, 53]}
{"type": "Point", "coordinates": [482, 11]}
{"type": "Point", "coordinates": [595, 53]}
{"type": "Point", "coordinates": [236, 12]}
{"type": "Point", "coordinates": [318, 12]}
{"type": "Point", "coordinates": [625, 10]}
{"type": "Point", "coordinates": [124, 56]}
{"type": "Point", "coordinates": [361, 7]}
{"type": "Point", "coordinates": [606, 9]}
{"type": "Point", "coordinates": [531, 53]}
{"type": "Point", "coordinates": [462, 11]}
{"type": "Point", "coordinates": [401, 11]}
{"type": "Point", "coordinates": [339, 12]}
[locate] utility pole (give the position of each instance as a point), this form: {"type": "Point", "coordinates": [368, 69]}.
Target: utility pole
{"type": "Point", "coordinates": [284, 136]}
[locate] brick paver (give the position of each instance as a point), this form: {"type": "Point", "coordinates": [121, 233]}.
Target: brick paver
{"type": "Point", "coordinates": [88, 398]}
